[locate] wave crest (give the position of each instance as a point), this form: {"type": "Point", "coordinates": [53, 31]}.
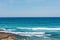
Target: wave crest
{"type": "Point", "coordinates": [38, 28]}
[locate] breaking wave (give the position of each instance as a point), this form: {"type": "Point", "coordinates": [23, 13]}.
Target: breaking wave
{"type": "Point", "coordinates": [38, 34]}
{"type": "Point", "coordinates": [39, 28]}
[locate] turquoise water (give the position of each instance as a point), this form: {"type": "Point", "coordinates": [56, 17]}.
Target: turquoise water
{"type": "Point", "coordinates": [25, 24]}
{"type": "Point", "coordinates": [30, 22]}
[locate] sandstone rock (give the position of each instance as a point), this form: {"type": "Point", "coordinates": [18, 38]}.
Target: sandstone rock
{"type": "Point", "coordinates": [6, 36]}
{"type": "Point", "coordinates": [10, 38]}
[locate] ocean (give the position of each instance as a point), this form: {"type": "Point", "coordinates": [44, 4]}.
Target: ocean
{"type": "Point", "coordinates": [48, 27]}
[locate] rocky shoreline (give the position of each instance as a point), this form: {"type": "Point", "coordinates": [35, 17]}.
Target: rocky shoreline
{"type": "Point", "coordinates": [6, 36]}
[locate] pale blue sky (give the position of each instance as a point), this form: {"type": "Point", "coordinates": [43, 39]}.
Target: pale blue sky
{"type": "Point", "coordinates": [29, 8]}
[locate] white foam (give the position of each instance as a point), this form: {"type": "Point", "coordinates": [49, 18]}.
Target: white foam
{"type": "Point", "coordinates": [31, 33]}
{"type": "Point", "coordinates": [2, 29]}
{"type": "Point", "coordinates": [46, 37]}
{"type": "Point", "coordinates": [7, 30]}
{"type": "Point", "coordinates": [26, 33]}
{"type": "Point", "coordinates": [10, 30]}
{"type": "Point", "coordinates": [38, 28]}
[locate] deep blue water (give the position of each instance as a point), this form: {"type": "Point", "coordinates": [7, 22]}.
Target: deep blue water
{"type": "Point", "coordinates": [31, 21]}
